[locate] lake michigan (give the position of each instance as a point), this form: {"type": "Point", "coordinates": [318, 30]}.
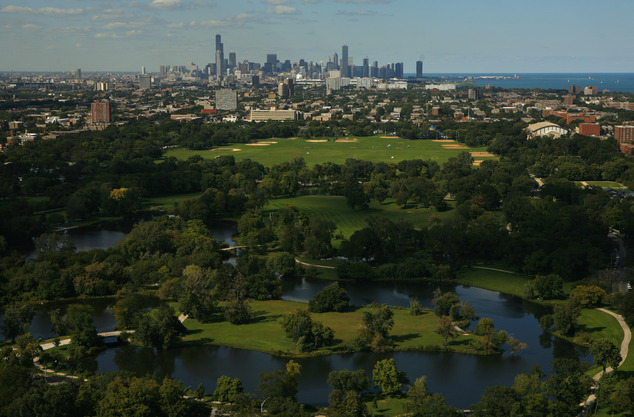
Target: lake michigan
{"type": "Point", "coordinates": [614, 82]}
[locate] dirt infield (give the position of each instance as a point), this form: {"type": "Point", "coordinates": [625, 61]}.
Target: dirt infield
{"type": "Point", "coordinates": [443, 140]}
{"type": "Point", "coordinates": [455, 147]}
{"type": "Point", "coordinates": [226, 150]}
{"type": "Point", "coordinates": [316, 140]}
{"type": "Point", "coordinates": [347, 140]}
{"type": "Point", "coordinates": [481, 154]}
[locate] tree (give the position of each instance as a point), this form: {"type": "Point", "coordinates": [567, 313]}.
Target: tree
{"type": "Point", "coordinates": [548, 286]}
{"type": "Point", "coordinates": [387, 378]}
{"type": "Point", "coordinates": [587, 295]}
{"type": "Point", "coordinates": [420, 403]}
{"type": "Point", "coordinates": [446, 330]}
{"type": "Point", "coordinates": [196, 298]}
{"type": "Point", "coordinates": [346, 403]}
{"type": "Point", "coordinates": [128, 310]}
{"type": "Point", "coordinates": [227, 389]}
{"type": "Point", "coordinates": [444, 302]}
{"type": "Point", "coordinates": [346, 380]}
{"type": "Point", "coordinates": [238, 311]}
{"type": "Point", "coordinates": [16, 321]}
{"type": "Point", "coordinates": [331, 298]}
{"type": "Point", "coordinates": [605, 353]}
{"type": "Point", "coordinates": [307, 334]}
{"type": "Point", "coordinates": [160, 328]}
{"type": "Point", "coordinates": [496, 401]}
{"type": "Point", "coordinates": [134, 396]}
{"type": "Point", "coordinates": [376, 327]}
{"type": "Point", "coordinates": [565, 317]}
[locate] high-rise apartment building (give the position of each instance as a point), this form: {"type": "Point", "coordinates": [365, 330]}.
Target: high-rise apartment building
{"type": "Point", "coordinates": [226, 99]}
{"type": "Point", "coordinates": [419, 69]}
{"type": "Point", "coordinates": [145, 82]}
{"type": "Point", "coordinates": [345, 72]}
{"type": "Point", "coordinates": [398, 70]}
{"type": "Point", "coordinates": [100, 112]}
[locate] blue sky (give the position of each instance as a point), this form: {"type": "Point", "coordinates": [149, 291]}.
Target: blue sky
{"type": "Point", "coordinates": [450, 36]}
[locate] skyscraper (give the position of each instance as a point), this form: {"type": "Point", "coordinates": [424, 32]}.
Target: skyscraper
{"type": "Point", "coordinates": [419, 69]}
{"type": "Point", "coordinates": [366, 67]}
{"type": "Point", "coordinates": [232, 60]}
{"type": "Point", "coordinates": [335, 60]}
{"type": "Point", "coordinates": [220, 56]}
{"type": "Point", "coordinates": [398, 70]}
{"type": "Point", "coordinates": [344, 61]}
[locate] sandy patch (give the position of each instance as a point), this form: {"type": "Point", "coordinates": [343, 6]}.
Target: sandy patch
{"type": "Point", "coordinates": [481, 154]}
{"type": "Point", "coordinates": [258, 144]}
{"type": "Point", "coordinates": [455, 147]}
{"type": "Point", "coordinates": [443, 140]}
{"type": "Point", "coordinates": [390, 137]}
{"type": "Point", "coordinates": [347, 140]}
{"type": "Point", "coordinates": [316, 140]}
{"type": "Point", "coordinates": [267, 141]}
{"type": "Point", "coordinates": [478, 162]}
{"type": "Point", "coordinates": [225, 150]}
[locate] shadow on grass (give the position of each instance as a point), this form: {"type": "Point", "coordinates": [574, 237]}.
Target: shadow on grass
{"type": "Point", "coordinates": [459, 342]}
{"type": "Point", "coordinates": [263, 316]}
{"type": "Point", "coordinates": [404, 337]}
{"type": "Point", "coordinates": [585, 328]}
{"type": "Point", "coordinates": [197, 342]}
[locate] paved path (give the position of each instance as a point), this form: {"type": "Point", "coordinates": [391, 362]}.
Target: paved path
{"type": "Point", "coordinates": [625, 344]}
{"type": "Point", "coordinates": [495, 269]}
{"type": "Point", "coordinates": [315, 265]}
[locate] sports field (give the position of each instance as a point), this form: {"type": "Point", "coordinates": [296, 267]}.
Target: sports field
{"type": "Point", "coordinates": [318, 151]}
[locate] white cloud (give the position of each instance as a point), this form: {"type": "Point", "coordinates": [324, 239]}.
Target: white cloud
{"type": "Point", "coordinates": [241, 19]}
{"type": "Point", "coordinates": [48, 11]}
{"type": "Point", "coordinates": [278, 1]}
{"type": "Point", "coordinates": [166, 4]}
{"type": "Point", "coordinates": [31, 26]}
{"type": "Point", "coordinates": [282, 10]}
{"type": "Point", "coordinates": [176, 25]}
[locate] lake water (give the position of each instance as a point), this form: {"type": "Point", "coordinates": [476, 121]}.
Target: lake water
{"type": "Point", "coordinates": [461, 378]}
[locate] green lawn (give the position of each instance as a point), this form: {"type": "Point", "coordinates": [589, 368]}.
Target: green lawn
{"type": "Point", "coordinates": [348, 220]}
{"type": "Point", "coordinates": [373, 148]}
{"type": "Point", "coordinates": [494, 280]}
{"type": "Point", "coordinates": [607, 184]}
{"type": "Point", "coordinates": [265, 333]}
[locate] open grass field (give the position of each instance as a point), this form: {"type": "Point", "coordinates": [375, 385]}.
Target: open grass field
{"type": "Point", "coordinates": [494, 280]}
{"type": "Point", "coordinates": [607, 184]}
{"type": "Point", "coordinates": [348, 220]}
{"type": "Point", "coordinates": [265, 333]}
{"type": "Point", "coordinates": [374, 148]}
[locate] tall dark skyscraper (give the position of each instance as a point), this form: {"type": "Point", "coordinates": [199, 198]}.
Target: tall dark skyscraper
{"type": "Point", "coordinates": [419, 69]}
{"type": "Point", "coordinates": [345, 72]}
{"type": "Point", "coordinates": [220, 56]}
{"type": "Point", "coordinates": [335, 59]}
{"type": "Point", "coordinates": [366, 67]}
{"type": "Point", "coordinates": [398, 70]}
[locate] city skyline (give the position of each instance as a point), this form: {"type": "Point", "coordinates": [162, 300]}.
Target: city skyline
{"type": "Point", "coordinates": [122, 35]}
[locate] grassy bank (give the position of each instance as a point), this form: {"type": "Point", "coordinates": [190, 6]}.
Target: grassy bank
{"type": "Point", "coordinates": [265, 333]}
{"type": "Point", "coordinates": [374, 148]}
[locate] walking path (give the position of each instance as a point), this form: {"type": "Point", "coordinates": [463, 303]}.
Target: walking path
{"type": "Point", "coordinates": [315, 265]}
{"type": "Point", "coordinates": [625, 344]}
{"type": "Point", "coordinates": [495, 269]}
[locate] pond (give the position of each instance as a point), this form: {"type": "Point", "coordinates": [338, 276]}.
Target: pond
{"type": "Point", "coordinates": [460, 378]}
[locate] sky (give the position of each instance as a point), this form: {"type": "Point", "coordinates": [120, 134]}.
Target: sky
{"type": "Point", "coordinates": [451, 36]}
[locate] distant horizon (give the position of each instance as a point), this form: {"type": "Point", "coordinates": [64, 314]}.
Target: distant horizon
{"type": "Point", "coordinates": [406, 74]}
